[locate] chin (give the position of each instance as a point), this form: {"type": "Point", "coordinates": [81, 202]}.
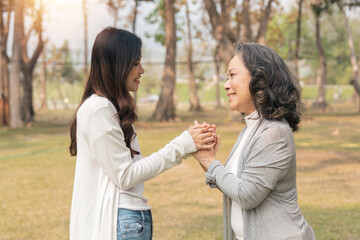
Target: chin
{"type": "Point", "coordinates": [135, 89]}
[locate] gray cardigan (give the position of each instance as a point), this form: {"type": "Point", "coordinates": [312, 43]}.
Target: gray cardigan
{"type": "Point", "coordinates": [265, 186]}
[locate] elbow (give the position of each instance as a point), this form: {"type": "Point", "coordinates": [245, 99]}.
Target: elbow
{"type": "Point", "coordinates": [124, 186]}
{"type": "Point", "coordinates": [248, 205]}
{"type": "Point", "coordinates": [124, 179]}
{"type": "Point", "coordinates": [125, 183]}
{"type": "Point", "coordinates": [249, 202]}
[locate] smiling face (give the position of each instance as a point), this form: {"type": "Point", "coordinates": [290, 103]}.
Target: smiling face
{"type": "Point", "coordinates": [237, 86]}
{"type": "Point", "coordinates": [133, 79]}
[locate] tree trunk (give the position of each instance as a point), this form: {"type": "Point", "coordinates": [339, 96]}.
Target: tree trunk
{"type": "Point", "coordinates": [298, 36]}
{"type": "Point", "coordinates": [194, 98]}
{"type": "Point", "coordinates": [247, 35]}
{"type": "Point", "coordinates": [116, 17]}
{"type": "Point", "coordinates": [4, 60]}
{"type": "Point", "coordinates": [220, 29]}
{"type": "Point", "coordinates": [14, 86]}
{"type": "Point", "coordinates": [28, 109]}
{"type": "Point", "coordinates": [355, 80]}
{"type": "Point", "coordinates": [265, 16]}
{"type": "Point", "coordinates": [85, 42]}
{"type": "Point", "coordinates": [28, 66]}
{"type": "Point", "coordinates": [321, 78]}
{"type": "Point", "coordinates": [134, 30]}
{"type": "Point", "coordinates": [135, 16]}
{"type": "Point", "coordinates": [43, 81]}
{"type": "Point", "coordinates": [165, 108]}
{"type": "Point", "coordinates": [217, 72]}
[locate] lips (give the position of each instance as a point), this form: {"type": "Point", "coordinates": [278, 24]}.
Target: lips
{"type": "Point", "coordinates": [231, 95]}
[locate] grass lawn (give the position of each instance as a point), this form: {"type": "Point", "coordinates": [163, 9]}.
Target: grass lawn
{"type": "Point", "coordinates": [36, 177]}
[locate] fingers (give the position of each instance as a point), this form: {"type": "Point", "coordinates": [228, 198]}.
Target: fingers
{"type": "Point", "coordinates": [217, 144]}
{"type": "Point", "coordinates": [207, 135]}
{"type": "Point", "coordinates": [207, 146]}
{"type": "Point", "coordinates": [208, 140]}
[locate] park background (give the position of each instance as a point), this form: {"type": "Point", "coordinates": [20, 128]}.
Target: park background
{"type": "Point", "coordinates": [319, 39]}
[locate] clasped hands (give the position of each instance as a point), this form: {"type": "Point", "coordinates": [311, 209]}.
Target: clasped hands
{"type": "Point", "coordinates": [206, 141]}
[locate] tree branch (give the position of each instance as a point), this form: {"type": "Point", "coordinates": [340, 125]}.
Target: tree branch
{"type": "Point", "coordinates": [213, 14]}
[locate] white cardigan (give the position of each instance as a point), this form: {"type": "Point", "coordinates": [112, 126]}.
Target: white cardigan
{"type": "Point", "coordinates": [104, 166]}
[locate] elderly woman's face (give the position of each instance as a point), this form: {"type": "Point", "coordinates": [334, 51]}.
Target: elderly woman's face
{"type": "Point", "coordinates": [237, 86]}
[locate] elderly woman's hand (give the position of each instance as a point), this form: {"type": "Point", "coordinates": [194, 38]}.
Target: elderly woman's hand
{"type": "Point", "coordinates": [206, 157]}
{"type": "Point", "coordinates": [204, 135]}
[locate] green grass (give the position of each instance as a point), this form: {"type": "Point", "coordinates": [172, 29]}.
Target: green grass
{"type": "Point", "coordinates": [59, 91]}
{"type": "Point", "coordinates": [36, 176]}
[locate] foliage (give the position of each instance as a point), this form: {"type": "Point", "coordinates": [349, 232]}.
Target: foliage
{"type": "Point", "coordinates": [62, 68]}
{"type": "Point", "coordinates": [280, 37]}
{"type": "Point", "coordinates": [156, 17]}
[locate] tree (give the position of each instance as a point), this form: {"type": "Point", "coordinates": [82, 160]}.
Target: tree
{"type": "Point", "coordinates": [62, 69]}
{"type": "Point", "coordinates": [355, 80]}
{"type": "Point", "coordinates": [263, 22]}
{"type": "Point", "coordinates": [165, 107]}
{"type": "Point", "coordinates": [194, 98]}
{"type": "Point", "coordinates": [220, 23]}
{"type": "Point", "coordinates": [298, 36]}
{"type": "Point", "coordinates": [29, 62]}
{"type": "Point", "coordinates": [114, 6]}
{"type": "Point", "coordinates": [217, 76]}
{"type": "Point", "coordinates": [247, 34]}
{"type": "Point", "coordinates": [5, 11]}
{"type": "Point", "coordinates": [43, 96]}
{"type": "Point", "coordinates": [14, 85]}
{"type": "Point", "coordinates": [84, 5]}
{"type": "Point", "coordinates": [318, 7]}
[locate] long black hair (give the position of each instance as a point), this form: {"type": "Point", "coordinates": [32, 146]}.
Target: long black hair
{"type": "Point", "coordinates": [114, 54]}
{"type": "Point", "coordinates": [273, 87]}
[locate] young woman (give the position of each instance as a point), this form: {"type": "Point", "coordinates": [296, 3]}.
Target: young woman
{"type": "Point", "coordinates": [108, 201]}
{"type": "Point", "coordinates": [259, 177]}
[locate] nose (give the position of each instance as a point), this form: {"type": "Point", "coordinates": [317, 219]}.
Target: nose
{"type": "Point", "coordinates": [142, 70]}
{"type": "Point", "coordinates": [227, 85]}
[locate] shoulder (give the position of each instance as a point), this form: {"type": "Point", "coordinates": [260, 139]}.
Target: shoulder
{"type": "Point", "coordinates": [97, 111]}
{"type": "Point", "coordinates": [95, 104]}
{"type": "Point", "coordinates": [274, 130]}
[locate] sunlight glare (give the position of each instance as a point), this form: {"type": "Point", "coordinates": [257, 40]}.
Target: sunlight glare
{"type": "Point", "coordinates": [61, 2]}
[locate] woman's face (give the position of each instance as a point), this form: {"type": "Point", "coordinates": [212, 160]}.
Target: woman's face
{"type": "Point", "coordinates": [133, 79]}
{"type": "Point", "coordinates": [237, 86]}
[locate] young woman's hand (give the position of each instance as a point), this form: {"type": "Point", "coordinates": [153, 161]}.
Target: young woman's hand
{"type": "Point", "coordinates": [206, 157]}
{"type": "Point", "coordinates": [204, 135]}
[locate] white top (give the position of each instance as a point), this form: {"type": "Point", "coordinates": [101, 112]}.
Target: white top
{"type": "Point", "coordinates": [133, 198]}
{"type": "Point", "coordinates": [232, 165]}
{"type": "Point", "coordinates": [104, 166]}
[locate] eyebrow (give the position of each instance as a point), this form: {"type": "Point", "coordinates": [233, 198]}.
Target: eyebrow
{"type": "Point", "coordinates": [231, 69]}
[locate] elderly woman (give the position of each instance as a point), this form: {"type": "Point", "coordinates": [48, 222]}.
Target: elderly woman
{"type": "Point", "coordinates": [259, 178]}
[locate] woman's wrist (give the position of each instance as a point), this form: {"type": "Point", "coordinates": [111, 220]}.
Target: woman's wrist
{"type": "Point", "coordinates": [206, 163]}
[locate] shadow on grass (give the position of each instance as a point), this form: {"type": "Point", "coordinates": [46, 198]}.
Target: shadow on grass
{"type": "Point", "coordinates": [346, 158]}
{"type": "Point", "coordinates": [334, 223]}
{"type": "Point", "coordinates": [204, 227]}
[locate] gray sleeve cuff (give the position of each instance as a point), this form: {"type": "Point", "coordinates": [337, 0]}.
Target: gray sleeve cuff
{"type": "Point", "coordinates": [210, 174]}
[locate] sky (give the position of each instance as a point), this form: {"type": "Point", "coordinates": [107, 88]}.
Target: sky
{"type": "Point", "coordinates": [63, 20]}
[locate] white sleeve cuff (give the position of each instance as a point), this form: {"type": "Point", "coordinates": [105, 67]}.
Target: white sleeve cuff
{"type": "Point", "coordinates": [188, 142]}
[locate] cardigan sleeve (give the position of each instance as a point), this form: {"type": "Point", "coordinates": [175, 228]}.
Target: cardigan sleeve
{"type": "Point", "coordinates": [267, 163]}
{"type": "Point", "coordinates": [106, 139]}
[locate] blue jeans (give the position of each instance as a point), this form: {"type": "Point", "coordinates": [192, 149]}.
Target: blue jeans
{"type": "Point", "coordinates": [134, 225]}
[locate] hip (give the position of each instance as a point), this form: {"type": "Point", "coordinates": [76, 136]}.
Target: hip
{"type": "Point", "coordinates": [134, 224]}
